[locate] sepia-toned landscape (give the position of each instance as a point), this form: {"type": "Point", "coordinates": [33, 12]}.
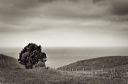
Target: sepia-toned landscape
{"type": "Point", "coordinates": [100, 70]}
{"type": "Point", "coordinates": [63, 41]}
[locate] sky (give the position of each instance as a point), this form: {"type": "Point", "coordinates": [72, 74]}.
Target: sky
{"type": "Point", "coordinates": [64, 23]}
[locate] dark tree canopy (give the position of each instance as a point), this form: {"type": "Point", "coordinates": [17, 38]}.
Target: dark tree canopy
{"type": "Point", "coordinates": [30, 55]}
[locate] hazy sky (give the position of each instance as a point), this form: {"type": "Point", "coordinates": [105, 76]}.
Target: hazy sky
{"type": "Point", "coordinates": [64, 23]}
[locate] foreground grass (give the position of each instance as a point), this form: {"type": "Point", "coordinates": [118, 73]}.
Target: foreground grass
{"type": "Point", "coordinates": [45, 76]}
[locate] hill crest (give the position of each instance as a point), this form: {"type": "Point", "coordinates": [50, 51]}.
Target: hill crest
{"type": "Point", "coordinates": [7, 61]}
{"type": "Point", "coordinates": [97, 63]}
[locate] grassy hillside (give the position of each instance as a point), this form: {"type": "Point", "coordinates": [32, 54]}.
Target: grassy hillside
{"type": "Point", "coordinates": [8, 62]}
{"type": "Point", "coordinates": [98, 63]}
{"type": "Point", "coordinates": [12, 73]}
{"type": "Point", "coordinates": [9, 74]}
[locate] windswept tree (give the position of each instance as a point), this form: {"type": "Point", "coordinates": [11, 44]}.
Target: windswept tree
{"type": "Point", "coordinates": [31, 55]}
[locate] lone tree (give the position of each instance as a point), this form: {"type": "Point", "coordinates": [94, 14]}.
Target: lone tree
{"type": "Point", "coordinates": [31, 55]}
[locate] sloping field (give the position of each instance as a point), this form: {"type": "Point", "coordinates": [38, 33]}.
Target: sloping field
{"type": "Point", "coordinates": [17, 75]}
{"type": "Point", "coordinates": [97, 63]}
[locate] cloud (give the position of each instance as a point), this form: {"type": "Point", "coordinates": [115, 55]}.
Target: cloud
{"type": "Point", "coordinates": [119, 7]}
{"type": "Point", "coordinates": [19, 15]}
{"type": "Point", "coordinates": [39, 20]}
{"type": "Point", "coordinates": [31, 15]}
{"type": "Point", "coordinates": [117, 10]}
{"type": "Point", "coordinates": [14, 13]}
{"type": "Point", "coordinates": [17, 9]}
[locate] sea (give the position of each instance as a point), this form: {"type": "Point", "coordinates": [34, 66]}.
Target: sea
{"type": "Point", "coordinates": [59, 56]}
